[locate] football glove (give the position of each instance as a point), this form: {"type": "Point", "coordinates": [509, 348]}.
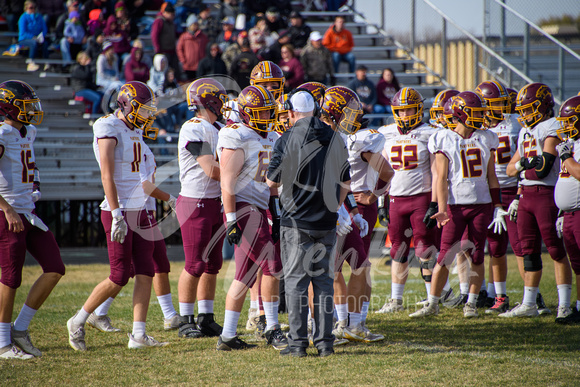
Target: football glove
{"type": "Point", "coordinates": [383, 213]}
{"type": "Point", "coordinates": [343, 224]}
{"type": "Point", "coordinates": [560, 227]}
{"type": "Point", "coordinates": [36, 221]}
{"type": "Point", "coordinates": [275, 229]}
{"type": "Point", "coordinates": [362, 225]}
{"type": "Point", "coordinates": [172, 201]}
{"type": "Point", "coordinates": [498, 222]}
{"type": "Point", "coordinates": [513, 209]}
{"type": "Point", "coordinates": [119, 227]}
{"type": "Point", "coordinates": [527, 163]}
{"type": "Point", "coordinates": [565, 150]}
{"type": "Point", "coordinates": [432, 210]}
{"type": "Point", "coordinates": [233, 233]}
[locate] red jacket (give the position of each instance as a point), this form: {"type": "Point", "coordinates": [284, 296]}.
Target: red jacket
{"type": "Point", "coordinates": [191, 49]}
{"type": "Point", "coordinates": [341, 42]}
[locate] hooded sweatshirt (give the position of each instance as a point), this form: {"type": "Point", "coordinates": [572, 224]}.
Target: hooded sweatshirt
{"type": "Point", "coordinates": [136, 70]}
{"type": "Point", "coordinates": [191, 49]}
{"type": "Point", "coordinates": [74, 30]}
{"type": "Point", "coordinates": [30, 25]}
{"type": "Point", "coordinates": [119, 38]}
{"type": "Point", "coordinates": [157, 73]}
{"type": "Point", "coordinates": [316, 62]}
{"type": "Point", "coordinates": [341, 42]}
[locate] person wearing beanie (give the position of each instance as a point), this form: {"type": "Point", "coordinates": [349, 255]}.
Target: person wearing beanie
{"type": "Point", "coordinates": [74, 37]}
{"type": "Point", "coordinates": [191, 47]}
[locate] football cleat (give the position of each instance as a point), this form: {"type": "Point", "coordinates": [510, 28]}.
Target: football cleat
{"type": "Point", "coordinates": [572, 318]}
{"type": "Point", "coordinates": [76, 335]}
{"type": "Point", "coordinates": [207, 325]}
{"type": "Point", "coordinates": [392, 306]}
{"type": "Point", "coordinates": [22, 340]}
{"type": "Point", "coordinates": [188, 328]}
{"type": "Point", "coordinates": [339, 328]}
{"type": "Point", "coordinates": [253, 317]}
{"type": "Point", "coordinates": [144, 342]}
{"type": "Point", "coordinates": [470, 310]}
{"type": "Point", "coordinates": [101, 323]}
{"type": "Point", "coordinates": [458, 301]}
{"type": "Point", "coordinates": [234, 343]}
{"type": "Point", "coordinates": [482, 298]}
{"type": "Point", "coordinates": [563, 312]}
{"type": "Point", "coordinates": [276, 338]}
{"type": "Point", "coordinates": [521, 310]}
{"type": "Point", "coordinates": [361, 333]}
{"type": "Point", "coordinates": [13, 352]}
{"type": "Point", "coordinates": [171, 323]}
{"type": "Point", "coordinates": [428, 310]}
{"type": "Point", "coordinates": [502, 304]}
{"type": "Point", "coordinates": [261, 327]}
{"type": "Point", "coordinates": [542, 308]}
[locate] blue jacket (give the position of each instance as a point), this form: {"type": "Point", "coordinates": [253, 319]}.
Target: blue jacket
{"type": "Point", "coordinates": [30, 25]}
{"type": "Point", "coordinates": [75, 31]}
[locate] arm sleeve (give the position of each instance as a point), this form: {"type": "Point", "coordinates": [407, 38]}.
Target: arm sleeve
{"type": "Point", "coordinates": [543, 169]}
{"type": "Point", "coordinates": [199, 148]}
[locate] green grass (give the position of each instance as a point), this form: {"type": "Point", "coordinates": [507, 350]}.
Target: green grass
{"type": "Point", "coordinates": [443, 350]}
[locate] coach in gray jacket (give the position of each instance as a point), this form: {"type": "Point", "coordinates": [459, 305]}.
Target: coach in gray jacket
{"type": "Point", "coordinates": [310, 162]}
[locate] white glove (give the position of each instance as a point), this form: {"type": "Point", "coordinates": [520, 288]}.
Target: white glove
{"type": "Point", "coordinates": [343, 224]}
{"type": "Point", "coordinates": [36, 195]}
{"type": "Point", "coordinates": [172, 202]}
{"type": "Point", "coordinates": [362, 225]}
{"type": "Point", "coordinates": [560, 227]}
{"type": "Point", "coordinates": [498, 222]}
{"type": "Point", "coordinates": [119, 227]}
{"type": "Point", "coordinates": [513, 209]}
{"type": "Point", "coordinates": [565, 148]}
{"type": "Point", "coordinates": [36, 222]}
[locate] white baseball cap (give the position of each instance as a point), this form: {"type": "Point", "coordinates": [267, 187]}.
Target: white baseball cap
{"type": "Point", "coordinates": [315, 35]}
{"type": "Point", "coordinates": [302, 102]}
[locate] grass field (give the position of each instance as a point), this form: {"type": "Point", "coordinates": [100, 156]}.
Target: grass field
{"type": "Point", "coordinates": [442, 350]}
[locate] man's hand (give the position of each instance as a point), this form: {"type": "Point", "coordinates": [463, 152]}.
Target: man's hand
{"type": "Point", "coordinates": [565, 150]}
{"type": "Point", "coordinates": [560, 227]}
{"type": "Point", "coordinates": [428, 218]}
{"type": "Point", "coordinates": [362, 225]}
{"type": "Point", "coordinates": [233, 233]}
{"type": "Point", "coordinates": [498, 222]}
{"type": "Point", "coordinates": [366, 198]}
{"type": "Point", "coordinates": [119, 227]}
{"type": "Point", "coordinates": [513, 209]}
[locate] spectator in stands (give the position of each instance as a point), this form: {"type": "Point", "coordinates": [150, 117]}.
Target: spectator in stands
{"type": "Point", "coordinates": [228, 34]}
{"type": "Point", "coordinates": [95, 47]}
{"type": "Point", "coordinates": [124, 23]}
{"type": "Point", "coordinates": [96, 21]}
{"type": "Point", "coordinates": [11, 10]}
{"type": "Point", "coordinates": [243, 64]}
{"type": "Point", "coordinates": [208, 24]}
{"type": "Point", "coordinates": [89, 5]}
{"type": "Point", "coordinates": [275, 22]}
{"type": "Point", "coordinates": [316, 61]}
{"type": "Point", "coordinates": [163, 36]}
{"type": "Point", "coordinates": [71, 5]}
{"type": "Point", "coordinates": [259, 36]}
{"type": "Point", "coordinates": [298, 33]}
{"type": "Point", "coordinates": [386, 89]}
{"type": "Point", "coordinates": [32, 33]}
{"type": "Point", "coordinates": [364, 88]}
{"type": "Point", "coordinates": [234, 49]}
{"type": "Point", "coordinates": [290, 65]}
{"type": "Point", "coordinates": [339, 42]}
{"type": "Point", "coordinates": [83, 81]}
{"type": "Point", "coordinates": [74, 37]}
{"type": "Point", "coordinates": [212, 64]}
{"type": "Point", "coordinates": [157, 73]}
{"type": "Point", "coordinates": [118, 37]}
{"type": "Point", "coordinates": [135, 68]}
{"type": "Point", "coordinates": [108, 76]}
{"type": "Point", "coordinates": [191, 47]}
{"type": "Point", "coordinates": [183, 8]}
{"type": "Point", "coordinates": [50, 11]}
{"type": "Point", "coordinates": [146, 58]}
{"type": "Point", "coordinates": [229, 8]}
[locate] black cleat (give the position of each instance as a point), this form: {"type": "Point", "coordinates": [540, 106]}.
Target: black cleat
{"type": "Point", "coordinates": [542, 308]}
{"type": "Point", "coordinates": [234, 343]}
{"type": "Point", "coordinates": [276, 338]}
{"type": "Point", "coordinates": [207, 325]}
{"type": "Point", "coordinates": [188, 328]}
{"type": "Point", "coordinates": [481, 299]}
{"type": "Point", "coordinates": [261, 327]}
{"type": "Point", "coordinates": [573, 318]}
{"type": "Point", "coordinates": [456, 302]}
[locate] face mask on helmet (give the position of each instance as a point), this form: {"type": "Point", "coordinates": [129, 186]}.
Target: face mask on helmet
{"type": "Point", "coordinates": [469, 109]}
{"type": "Point", "coordinates": [436, 111]}
{"type": "Point", "coordinates": [137, 103]}
{"type": "Point", "coordinates": [258, 109]}
{"type": "Point", "coordinates": [351, 120]}
{"type": "Point", "coordinates": [208, 94]}
{"type": "Point", "coordinates": [268, 75]}
{"type": "Point", "coordinates": [342, 108]}
{"type": "Point", "coordinates": [534, 102]}
{"type": "Point", "coordinates": [151, 133]}
{"type": "Point", "coordinates": [497, 98]}
{"type": "Point", "coordinates": [407, 107]}
{"type": "Point", "coordinates": [19, 102]}
{"type": "Point", "coordinates": [569, 119]}
{"type": "Point", "coordinates": [448, 115]}
{"type": "Point", "coordinates": [283, 123]}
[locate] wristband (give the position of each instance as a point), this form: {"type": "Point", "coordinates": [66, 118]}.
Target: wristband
{"type": "Point", "coordinates": [231, 217]}
{"type": "Point", "coordinates": [565, 157]}
{"type": "Point", "coordinates": [517, 197]}
{"type": "Point", "coordinates": [350, 203]}
{"type": "Point", "coordinates": [519, 166]}
{"type": "Point", "coordinates": [495, 195]}
{"type": "Point", "coordinates": [117, 213]}
{"type": "Point", "coordinates": [381, 201]}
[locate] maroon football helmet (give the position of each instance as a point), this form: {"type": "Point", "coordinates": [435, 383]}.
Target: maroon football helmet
{"type": "Point", "coordinates": [283, 123]}
{"type": "Point", "coordinates": [569, 119]}
{"type": "Point", "coordinates": [497, 98]}
{"type": "Point", "coordinates": [19, 102]}
{"type": "Point", "coordinates": [539, 98]}
{"type": "Point", "coordinates": [448, 114]}
{"type": "Point", "coordinates": [407, 98]}
{"type": "Point", "coordinates": [253, 101]}
{"type": "Point", "coordinates": [208, 94]}
{"type": "Point", "coordinates": [464, 107]}
{"type": "Point", "coordinates": [317, 89]}
{"type": "Point", "coordinates": [267, 71]}
{"type": "Point", "coordinates": [137, 102]}
{"type": "Point", "coordinates": [513, 93]}
{"type": "Point", "coordinates": [436, 111]}
{"type": "Point", "coordinates": [343, 107]}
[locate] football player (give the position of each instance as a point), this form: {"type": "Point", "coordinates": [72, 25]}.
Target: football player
{"type": "Point", "coordinates": [466, 189]}
{"type": "Point", "coordinates": [199, 208]}
{"type": "Point", "coordinates": [20, 229]}
{"type": "Point", "coordinates": [537, 165]}
{"type": "Point", "coordinates": [436, 111]}
{"type": "Point", "coordinates": [244, 151]}
{"type": "Point", "coordinates": [567, 191]}
{"type": "Point", "coordinates": [119, 150]}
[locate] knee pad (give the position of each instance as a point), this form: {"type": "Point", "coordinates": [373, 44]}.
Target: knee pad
{"type": "Point", "coordinates": [426, 264]}
{"type": "Point", "coordinates": [533, 262]}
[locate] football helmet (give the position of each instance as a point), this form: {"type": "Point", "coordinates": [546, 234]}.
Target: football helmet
{"type": "Point", "coordinates": [464, 107]}
{"type": "Point", "coordinates": [407, 98]}
{"type": "Point", "coordinates": [436, 111]}
{"type": "Point", "coordinates": [317, 89]}
{"type": "Point", "coordinates": [569, 119]}
{"type": "Point", "coordinates": [497, 99]}
{"type": "Point", "coordinates": [283, 123]}
{"type": "Point", "coordinates": [513, 93]}
{"type": "Point", "coordinates": [19, 102]}
{"type": "Point", "coordinates": [448, 114]}
{"type": "Point", "coordinates": [137, 102]}
{"type": "Point", "coordinates": [539, 98]}
{"type": "Point", "coordinates": [343, 107]}
{"type": "Point", "coordinates": [267, 71]}
{"type": "Point", "coordinates": [253, 101]}
{"type": "Point", "coordinates": [209, 94]}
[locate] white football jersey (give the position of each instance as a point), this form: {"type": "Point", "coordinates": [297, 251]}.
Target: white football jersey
{"type": "Point", "coordinates": [194, 182]}
{"type": "Point", "coordinates": [17, 167]}
{"type": "Point", "coordinates": [362, 176]}
{"type": "Point", "coordinates": [468, 160]}
{"type": "Point", "coordinates": [129, 158]}
{"type": "Point", "coordinates": [531, 143]}
{"type": "Point", "coordinates": [409, 157]}
{"type": "Point", "coordinates": [149, 166]}
{"type": "Point", "coordinates": [251, 185]}
{"type": "Point", "coordinates": [507, 132]}
{"type": "Point", "coordinates": [567, 191]}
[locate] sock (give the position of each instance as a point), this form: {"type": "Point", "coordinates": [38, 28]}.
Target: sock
{"type": "Point", "coordinates": [341, 312]}
{"type": "Point", "coordinates": [472, 298]}
{"type": "Point", "coordinates": [464, 287]}
{"type": "Point", "coordinates": [309, 314]}
{"type": "Point", "coordinates": [500, 288]}
{"type": "Point", "coordinates": [428, 287]}
{"type": "Point", "coordinates": [27, 313]}
{"type": "Point", "coordinates": [271, 310]}
{"type": "Point", "coordinates": [354, 319]}
{"type": "Point", "coordinates": [186, 308]}
{"type": "Point", "coordinates": [166, 305]}
{"type": "Point", "coordinates": [230, 324]}
{"type": "Point", "coordinates": [254, 304]}
{"type": "Point", "coordinates": [364, 311]}
{"type": "Point", "coordinates": [138, 329]}
{"type": "Point", "coordinates": [433, 300]}
{"type": "Point", "coordinates": [491, 290]}
{"type": "Point", "coordinates": [260, 303]}
{"type": "Point", "coordinates": [564, 294]}
{"type": "Point", "coordinates": [397, 291]}
{"type": "Point", "coordinates": [81, 317]}
{"type": "Point", "coordinates": [103, 309]}
{"type": "Point", "coordinates": [204, 306]}
{"type": "Point", "coordinates": [4, 334]}
{"type": "Point", "coordinates": [530, 294]}
{"type": "Point", "coordinates": [447, 286]}
{"type": "Point", "coordinates": [483, 287]}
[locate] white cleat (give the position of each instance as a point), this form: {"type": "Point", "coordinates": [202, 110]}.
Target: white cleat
{"type": "Point", "coordinates": [253, 318]}
{"type": "Point", "coordinates": [361, 333]}
{"type": "Point", "coordinates": [171, 323]}
{"type": "Point", "coordinates": [521, 310]}
{"type": "Point", "coordinates": [22, 340]}
{"type": "Point", "coordinates": [144, 342]}
{"type": "Point", "coordinates": [101, 323]}
{"type": "Point", "coordinates": [76, 335]}
{"type": "Point", "coordinates": [470, 310]}
{"type": "Point", "coordinates": [563, 312]}
{"type": "Point", "coordinates": [429, 310]}
{"type": "Point", "coordinates": [13, 352]}
{"type": "Point", "coordinates": [392, 306]}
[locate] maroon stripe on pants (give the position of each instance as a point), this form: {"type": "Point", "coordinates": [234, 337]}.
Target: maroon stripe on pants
{"type": "Point", "coordinates": [572, 238]}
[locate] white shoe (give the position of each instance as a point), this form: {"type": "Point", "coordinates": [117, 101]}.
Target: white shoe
{"type": "Point", "coordinates": [392, 306]}
{"type": "Point", "coordinates": [144, 342]}
{"type": "Point", "coordinates": [521, 310]}
{"type": "Point", "coordinates": [32, 67]}
{"type": "Point", "coordinates": [171, 323]}
{"type": "Point", "coordinates": [22, 340]}
{"type": "Point", "coordinates": [12, 352]}
{"type": "Point", "coordinates": [361, 333]}
{"type": "Point", "coordinates": [429, 310]}
{"type": "Point", "coordinates": [339, 328]}
{"type": "Point", "coordinates": [470, 310]}
{"type": "Point", "coordinates": [101, 323]}
{"type": "Point", "coordinates": [564, 311]}
{"type": "Point", "coordinates": [253, 318]}
{"type": "Point", "coordinates": [76, 335]}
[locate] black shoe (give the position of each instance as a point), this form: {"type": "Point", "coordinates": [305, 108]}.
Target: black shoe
{"type": "Point", "coordinates": [261, 327]}
{"type": "Point", "coordinates": [233, 343]}
{"type": "Point", "coordinates": [489, 302]}
{"type": "Point", "coordinates": [456, 302]}
{"type": "Point", "coordinates": [325, 352]}
{"type": "Point", "coordinates": [542, 308]}
{"type": "Point", "coordinates": [276, 338]}
{"type": "Point", "coordinates": [573, 318]}
{"type": "Point", "coordinates": [294, 352]}
{"type": "Point", "coordinates": [207, 325]}
{"type": "Point", "coordinates": [188, 328]}
{"type": "Point", "coordinates": [480, 303]}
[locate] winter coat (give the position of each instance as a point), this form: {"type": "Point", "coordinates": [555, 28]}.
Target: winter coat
{"type": "Point", "coordinates": [30, 25]}
{"type": "Point", "coordinates": [293, 72]}
{"type": "Point", "coordinates": [191, 49]}
{"type": "Point", "coordinates": [118, 37]}
{"type": "Point", "coordinates": [211, 65]}
{"type": "Point", "coordinates": [341, 42]}
{"type": "Point", "coordinates": [157, 73]}
{"type": "Point", "coordinates": [163, 35]}
{"type": "Point", "coordinates": [136, 70]}
{"type": "Point", "coordinates": [317, 62]}
{"type": "Point", "coordinates": [82, 77]}
{"type": "Point", "coordinates": [75, 31]}
{"type": "Point", "coordinates": [385, 91]}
